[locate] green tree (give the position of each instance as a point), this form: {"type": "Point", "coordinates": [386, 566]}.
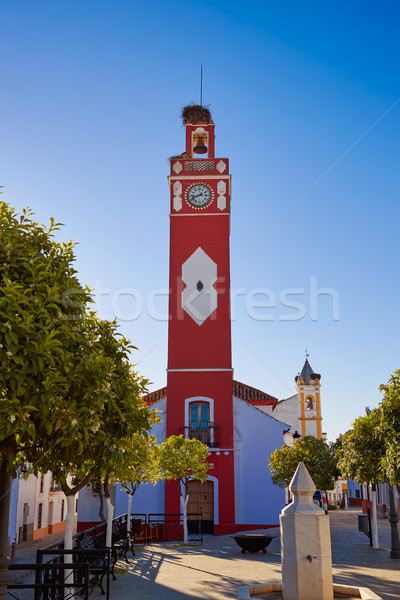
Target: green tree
{"type": "Point", "coordinates": [41, 300]}
{"type": "Point", "coordinates": [182, 460]}
{"type": "Point", "coordinates": [361, 457]}
{"type": "Point", "coordinates": [315, 454]}
{"type": "Point", "coordinates": [107, 411]}
{"type": "Point", "coordinates": [68, 395]}
{"type": "Point", "coordinates": [390, 431]}
{"type": "Point", "coordinates": [390, 427]}
{"type": "Point", "coordinates": [136, 462]}
{"type": "Point", "coordinates": [139, 466]}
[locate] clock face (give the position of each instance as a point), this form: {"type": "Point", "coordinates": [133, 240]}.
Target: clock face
{"type": "Point", "coordinates": [199, 195]}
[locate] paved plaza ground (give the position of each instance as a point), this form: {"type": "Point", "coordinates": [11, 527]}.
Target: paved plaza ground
{"type": "Point", "coordinates": [215, 570]}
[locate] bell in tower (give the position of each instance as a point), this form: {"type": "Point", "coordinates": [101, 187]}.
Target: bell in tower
{"type": "Point", "coordinates": [199, 130]}
{"type": "Point", "coordinates": [200, 147]}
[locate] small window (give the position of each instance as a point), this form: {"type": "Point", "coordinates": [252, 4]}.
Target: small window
{"type": "Point", "coordinates": [41, 483]}
{"type": "Point", "coordinates": [62, 509]}
{"type": "Point", "coordinates": [76, 505]}
{"type": "Point", "coordinates": [310, 403]}
{"type": "Point", "coordinates": [199, 286]}
{"type": "Point", "coordinates": [39, 520]}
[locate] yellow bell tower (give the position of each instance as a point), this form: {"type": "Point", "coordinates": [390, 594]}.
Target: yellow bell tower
{"type": "Point", "coordinates": [308, 389]}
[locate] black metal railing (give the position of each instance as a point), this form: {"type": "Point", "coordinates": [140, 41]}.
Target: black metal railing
{"type": "Point", "coordinates": [163, 527]}
{"type": "Point", "coordinates": [53, 581]}
{"type": "Point", "coordinates": [208, 434]}
{"type": "Point", "coordinates": [98, 561]}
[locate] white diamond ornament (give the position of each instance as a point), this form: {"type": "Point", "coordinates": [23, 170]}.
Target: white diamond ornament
{"type": "Point", "coordinates": [199, 298]}
{"type": "Point", "coordinates": [177, 203]}
{"type": "Point", "coordinates": [177, 167]}
{"type": "Point", "coordinates": [221, 166]}
{"type": "Point", "coordinates": [221, 202]}
{"type": "Point", "coordinates": [221, 187]}
{"type": "Point", "coordinates": [177, 188]}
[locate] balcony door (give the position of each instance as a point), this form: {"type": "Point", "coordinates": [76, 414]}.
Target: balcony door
{"type": "Point", "coordinates": [199, 418]}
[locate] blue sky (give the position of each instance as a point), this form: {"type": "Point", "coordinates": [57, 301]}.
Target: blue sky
{"type": "Point", "coordinates": [305, 97]}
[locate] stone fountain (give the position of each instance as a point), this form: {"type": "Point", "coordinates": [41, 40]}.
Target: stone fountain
{"type": "Point", "coordinates": [306, 552]}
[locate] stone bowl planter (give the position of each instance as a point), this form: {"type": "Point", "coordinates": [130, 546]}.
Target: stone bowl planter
{"type": "Point", "coordinates": [253, 542]}
{"type": "Point", "coordinates": [273, 591]}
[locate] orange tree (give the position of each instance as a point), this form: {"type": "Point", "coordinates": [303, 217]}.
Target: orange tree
{"type": "Point", "coordinates": [360, 458]}
{"type": "Point", "coordinates": [67, 391]}
{"type": "Point", "coordinates": [182, 460]}
{"type": "Point", "coordinates": [315, 454]}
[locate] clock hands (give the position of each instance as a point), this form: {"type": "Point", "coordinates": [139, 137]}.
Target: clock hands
{"type": "Point", "coordinates": [199, 195]}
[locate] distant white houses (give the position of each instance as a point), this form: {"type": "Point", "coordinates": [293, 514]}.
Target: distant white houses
{"type": "Point", "coordinates": [38, 507]}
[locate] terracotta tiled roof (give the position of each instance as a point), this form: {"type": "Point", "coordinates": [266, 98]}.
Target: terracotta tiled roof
{"type": "Point", "coordinates": [240, 390]}
{"type": "Point", "coordinates": [155, 396]}
{"type": "Point", "coordinates": [252, 395]}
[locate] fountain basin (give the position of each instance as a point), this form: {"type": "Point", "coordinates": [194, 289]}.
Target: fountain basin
{"type": "Point", "coordinates": [253, 542]}
{"type": "Point", "coordinates": [273, 591]}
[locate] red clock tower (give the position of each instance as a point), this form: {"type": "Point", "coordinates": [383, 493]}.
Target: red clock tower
{"type": "Point", "coordinates": [199, 380]}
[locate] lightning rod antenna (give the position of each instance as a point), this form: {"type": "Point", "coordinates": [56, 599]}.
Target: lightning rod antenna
{"type": "Point", "coordinates": [201, 85]}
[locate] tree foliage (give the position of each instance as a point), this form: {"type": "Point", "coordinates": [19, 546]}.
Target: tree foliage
{"type": "Point", "coordinates": [315, 454]}
{"type": "Point", "coordinates": [70, 402]}
{"type": "Point", "coordinates": [68, 395]}
{"type": "Point", "coordinates": [140, 465]}
{"type": "Point", "coordinates": [107, 412]}
{"type": "Point", "coordinates": [362, 449]}
{"type": "Point", "coordinates": [183, 459]}
{"type": "Point", "coordinates": [390, 427]}
{"type": "Point", "coordinates": [41, 309]}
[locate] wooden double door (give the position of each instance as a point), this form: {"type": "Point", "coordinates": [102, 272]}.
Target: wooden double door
{"type": "Point", "coordinates": [201, 500]}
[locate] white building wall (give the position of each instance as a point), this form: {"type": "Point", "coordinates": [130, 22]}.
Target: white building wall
{"type": "Point", "coordinates": [311, 427]}
{"type": "Point", "coordinates": [26, 505]}
{"type": "Point", "coordinates": [257, 435]}
{"type": "Point", "coordinates": [266, 408]}
{"type": "Point", "coordinates": [289, 411]}
{"type": "Point", "coordinates": [12, 522]}
{"type": "Point", "coordinates": [148, 499]}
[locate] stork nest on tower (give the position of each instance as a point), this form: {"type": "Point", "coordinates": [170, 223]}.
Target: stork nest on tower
{"type": "Point", "coordinates": [195, 114]}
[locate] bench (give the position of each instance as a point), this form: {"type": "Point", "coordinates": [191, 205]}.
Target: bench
{"type": "Point", "coordinates": [121, 541]}
{"type": "Point", "coordinates": [136, 531]}
{"type": "Point", "coordinates": [101, 559]}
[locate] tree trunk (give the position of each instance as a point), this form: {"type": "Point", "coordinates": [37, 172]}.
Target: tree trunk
{"type": "Point", "coordinates": [101, 507]}
{"type": "Point", "coordinates": [69, 525]}
{"type": "Point", "coordinates": [5, 495]}
{"type": "Point", "coordinates": [110, 515]}
{"type": "Point", "coordinates": [184, 502]}
{"type": "Point", "coordinates": [375, 541]}
{"type": "Point", "coordinates": [70, 494]}
{"type": "Point", "coordinates": [128, 516]}
{"type": "Point", "coordinates": [394, 519]}
{"type": "Point", "coordinates": [69, 530]}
